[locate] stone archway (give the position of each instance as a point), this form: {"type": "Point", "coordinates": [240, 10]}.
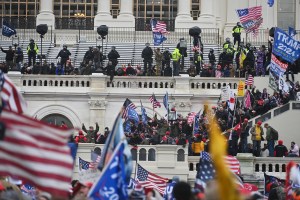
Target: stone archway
{"type": "Point", "coordinates": [57, 119]}
{"type": "Point", "coordinates": [60, 112]}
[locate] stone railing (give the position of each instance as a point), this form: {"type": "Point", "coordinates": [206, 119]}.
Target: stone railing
{"type": "Point", "coordinates": [184, 84]}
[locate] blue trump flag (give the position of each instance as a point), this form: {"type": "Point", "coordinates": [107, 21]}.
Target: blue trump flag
{"type": "Point", "coordinates": [158, 38]}
{"type": "Point", "coordinates": [114, 138]}
{"type": "Point", "coordinates": [112, 183]}
{"type": "Point", "coordinates": [271, 3]}
{"type": "Point", "coordinates": [8, 30]}
{"type": "Point", "coordinates": [144, 115]}
{"type": "Point", "coordinates": [196, 123]}
{"type": "Point", "coordinates": [292, 32]}
{"type": "Point", "coordinates": [285, 46]}
{"type": "Point", "coordinates": [132, 115]}
{"type": "Point", "coordinates": [127, 126]}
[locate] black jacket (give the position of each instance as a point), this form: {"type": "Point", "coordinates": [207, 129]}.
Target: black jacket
{"type": "Point", "coordinates": [64, 54]}
{"type": "Point", "coordinates": [147, 53]}
{"type": "Point", "coordinates": [9, 54]}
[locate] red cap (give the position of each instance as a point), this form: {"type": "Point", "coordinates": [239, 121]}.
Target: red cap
{"type": "Point", "coordinates": [259, 122]}
{"type": "Point", "coordinates": [80, 132]}
{"type": "Point", "coordinates": [245, 120]}
{"type": "Point", "coordinates": [88, 184]}
{"type": "Point", "coordinates": [280, 142]}
{"type": "Point", "coordinates": [167, 132]}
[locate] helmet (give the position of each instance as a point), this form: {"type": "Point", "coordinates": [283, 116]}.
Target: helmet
{"type": "Point", "coordinates": [238, 23]}
{"type": "Point", "coordinates": [227, 39]}
{"type": "Point", "coordinates": [113, 48]}
{"type": "Point", "coordinates": [64, 46]}
{"type": "Point", "coordinates": [31, 40]}
{"type": "Point", "coordinates": [248, 45]}
{"type": "Point", "coordinates": [211, 50]}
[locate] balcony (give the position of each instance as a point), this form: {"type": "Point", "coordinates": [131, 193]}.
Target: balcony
{"type": "Point", "coordinates": [172, 160]}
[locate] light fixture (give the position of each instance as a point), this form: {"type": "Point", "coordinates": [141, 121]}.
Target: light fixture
{"type": "Point", "coordinates": [79, 14]}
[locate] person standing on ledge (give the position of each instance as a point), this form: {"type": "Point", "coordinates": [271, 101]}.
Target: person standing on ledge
{"type": "Point", "coordinates": [236, 33]}
{"type": "Point", "coordinates": [91, 134]}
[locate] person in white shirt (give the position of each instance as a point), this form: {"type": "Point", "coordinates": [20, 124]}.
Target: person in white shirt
{"type": "Point", "coordinates": [294, 151]}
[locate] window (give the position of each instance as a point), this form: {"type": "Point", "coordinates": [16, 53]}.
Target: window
{"type": "Point", "coordinates": [286, 14]}
{"type": "Point", "coordinates": [57, 119]}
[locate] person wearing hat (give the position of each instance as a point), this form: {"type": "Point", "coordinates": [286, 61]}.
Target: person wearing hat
{"type": "Point", "coordinates": [236, 33]}
{"type": "Point", "coordinates": [147, 54]}
{"type": "Point", "coordinates": [280, 150]}
{"type": "Point", "coordinates": [271, 137]}
{"type": "Point", "coordinates": [167, 139]}
{"type": "Point", "coordinates": [64, 55]}
{"type": "Point", "coordinates": [212, 57]}
{"type": "Point", "coordinates": [32, 51]}
{"type": "Point", "coordinates": [197, 145]}
{"type": "Point", "coordinates": [9, 58]}
{"type": "Point", "coordinates": [91, 134]}
{"type": "Point", "coordinates": [257, 133]}
{"type": "Point", "coordinates": [80, 138]}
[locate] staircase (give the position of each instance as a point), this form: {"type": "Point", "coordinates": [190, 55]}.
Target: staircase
{"type": "Point", "coordinates": [285, 119]}
{"type": "Point", "coordinates": [131, 52]}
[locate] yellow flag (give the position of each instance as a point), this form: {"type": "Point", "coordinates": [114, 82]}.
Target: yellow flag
{"type": "Point", "coordinates": [242, 58]}
{"type": "Point", "coordinates": [241, 89]}
{"type": "Point", "coordinates": [218, 149]}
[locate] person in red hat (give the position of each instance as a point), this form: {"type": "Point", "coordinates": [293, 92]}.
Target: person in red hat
{"type": "Point", "coordinates": [280, 150]}
{"type": "Point", "coordinates": [257, 133]}
{"type": "Point", "coordinates": [167, 139]}
{"type": "Point", "coordinates": [80, 138]}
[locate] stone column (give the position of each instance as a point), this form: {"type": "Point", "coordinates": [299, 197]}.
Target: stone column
{"type": "Point", "coordinates": [126, 13]}
{"type": "Point", "coordinates": [103, 13]}
{"type": "Point", "coordinates": [97, 112]}
{"type": "Point", "coordinates": [183, 18]}
{"type": "Point", "coordinates": [46, 15]}
{"type": "Point", "coordinates": [207, 17]}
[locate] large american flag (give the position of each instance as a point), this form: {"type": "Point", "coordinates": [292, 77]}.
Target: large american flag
{"type": "Point", "coordinates": [10, 96]}
{"type": "Point", "coordinates": [158, 26]}
{"type": "Point", "coordinates": [253, 13]}
{"type": "Point", "coordinates": [233, 164]}
{"type": "Point", "coordinates": [127, 104]}
{"type": "Point", "coordinates": [154, 101]}
{"type": "Point", "coordinates": [150, 180]}
{"type": "Point", "coordinates": [36, 153]}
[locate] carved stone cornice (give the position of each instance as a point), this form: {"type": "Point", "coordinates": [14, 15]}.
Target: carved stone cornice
{"type": "Point", "coordinates": [97, 104]}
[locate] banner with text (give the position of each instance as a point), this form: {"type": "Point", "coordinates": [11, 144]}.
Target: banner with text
{"type": "Point", "coordinates": [285, 46]}
{"type": "Point", "coordinates": [277, 66]}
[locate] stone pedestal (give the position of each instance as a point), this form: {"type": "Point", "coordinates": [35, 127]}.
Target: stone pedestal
{"type": "Point", "coordinates": [46, 15]}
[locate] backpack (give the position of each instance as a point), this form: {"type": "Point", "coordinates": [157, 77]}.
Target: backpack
{"type": "Point", "coordinates": [274, 134]}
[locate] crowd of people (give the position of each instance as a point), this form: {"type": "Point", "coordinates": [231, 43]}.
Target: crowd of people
{"type": "Point", "coordinates": [234, 124]}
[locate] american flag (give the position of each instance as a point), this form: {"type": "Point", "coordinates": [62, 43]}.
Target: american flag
{"type": "Point", "coordinates": [13, 100]}
{"type": "Point", "coordinates": [158, 26]}
{"type": "Point", "coordinates": [233, 164]}
{"type": "Point", "coordinates": [36, 153]}
{"type": "Point", "coordinates": [150, 180]}
{"type": "Point", "coordinates": [95, 160]}
{"type": "Point", "coordinates": [127, 104]}
{"type": "Point", "coordinates": [250, 80]}
{"type": "Point", "coordinates": [247, 14]}
{"type": "Point", "coordinates": [85, 165]}
{"type": "Point", "coordinates": [206, 171]}
{"type": "Point", "coordinates": [154, 101]}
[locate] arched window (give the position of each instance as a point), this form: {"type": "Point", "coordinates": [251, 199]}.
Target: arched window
{"type": "Point", "coordinates": [180, 155]}
{"type": "Point", "coordinates": [142, 156]}
{"type": "Point", "coordinates": [151, 155]}
{"type": "Point", "coordinates": [57, 119]}
{"type": "Point", "coordinates": [133, 154]}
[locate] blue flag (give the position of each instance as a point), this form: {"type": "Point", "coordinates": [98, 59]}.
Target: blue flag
{"type": "Point", "coordinates": [8, 30]}
{"type": "Point", "coordinates": [73, 147]}
{"type": "Point", "coordinates": [168, 194]}
{"type": "Point", "coordinates": [112, 183]}
{"type": "Point", "coordinates": [292, 32]}
{"type": "Point", "coordinates": [285, 46]}
{"type": "Point", "coordinates": [127, 126]}
{"type": "Point", "coordinates": [132, 115]}
{"type": "Point", "coordinates": [114, 138]}
{"type": "Point", "coordinates": [196, 123]}
{"type": "Point", "coordinates": [166, 101]}
{"type": "Point", "coordinates": [158, 38]}
{"type": "Point", "coordinates": [271, 3]}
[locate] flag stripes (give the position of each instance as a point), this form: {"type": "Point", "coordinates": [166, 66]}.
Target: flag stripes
{"type": "Point", "coordinates": [36, 153]}
{"type": "Point", "coordinates": [12, 99]}
{"type": "Point", "coordinates": [154, 101]}
{"type": "Point", "coordinates": [150, 180]}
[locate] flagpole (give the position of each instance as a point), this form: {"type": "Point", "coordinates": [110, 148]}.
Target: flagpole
{"type": "Point", "coordinates": [234, 111]}
{"type": "Point", "coordinates": [136, 164]}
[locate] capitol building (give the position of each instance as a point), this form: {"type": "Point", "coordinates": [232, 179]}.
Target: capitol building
{"type": "Point", "coordinates": [93, 98]}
